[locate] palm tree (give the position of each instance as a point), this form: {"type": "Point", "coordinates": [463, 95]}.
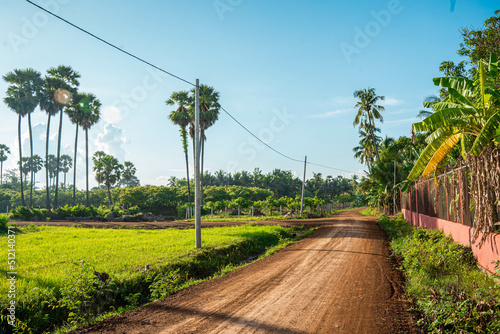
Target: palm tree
{"type": "Point", "coordinates": [129, 171]}
{"type": "Point", "coordinates": [51, 165]}
{"type": "Point", "coordinates": [182, 118]}
{"type": "Point", "coordinates": [4, 150]}
{"type": "Point", "coordinates": [35, 165]}
{"type": "Point", "coordinates": [364, 152]}
{"type": "Point", "coordinates": [25, 162]}
{"type": "Point", "coordinates": [368, 111]}
{"type": "Point", "coordinates": [22, 98]}
{"type": "Point", "coordinates": [469, 115]}
{"type": "Point", "coordinates": [74, 113]}
{"type": "Point", "coordinates": [64, 166]}
{"type": "Point", "coordinates": [108, 171]}
{"type": "Point", "coordinates": [97, 156]}
{"type": "Point", "coordinates": [91, 108]}
{"type": "Point", "coordinates": [51, 88]}
{"type": "Point", "coordinates": [209, 114]}
{"type": "Point", "coordinates": [69, 78]}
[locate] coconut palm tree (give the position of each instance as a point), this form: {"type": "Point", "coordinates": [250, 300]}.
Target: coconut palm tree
{"type": "Point", "coordinates": [64, 166]}
{"type": "Point", "coordinates": [69, 78]}
{"type": "Point", "coordinates": [22, 98]}
{"type": "Point", "coordinates": [52, 87]}
{"type": "Point", "coordinates": [91, 114]}
{"type": "Point", "coordinates": [369, 111]}
{"type": "Point", "coordinates": [182, 117]}
{"type": "Point", "coordinates": [4, 150]}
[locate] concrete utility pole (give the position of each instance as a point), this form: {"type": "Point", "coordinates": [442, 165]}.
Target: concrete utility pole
{"type": "Point", "coordinates": [197, 185]}
{"type": "Point", "coordinates": [303, 187]}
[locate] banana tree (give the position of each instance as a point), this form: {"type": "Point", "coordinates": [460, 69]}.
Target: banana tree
{"type": "Point", "coordinates": [469, 116]}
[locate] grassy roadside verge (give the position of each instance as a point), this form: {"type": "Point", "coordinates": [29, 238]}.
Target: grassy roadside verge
{"type": "Point", "coordinates": [370, 212]}
{"type": "Point", "coordinates": [443, 280]}
{"type": "Point", "coordinates": [68, 276]}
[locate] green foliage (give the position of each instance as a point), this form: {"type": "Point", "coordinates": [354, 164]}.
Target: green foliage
{"type": "Point", "coordinates": [444, 281]}
{"type": "Point", "coordinates": [4, 219]}
{"type": "Point", "coordinates": [63, 288]}
{"type": "Point", "coordinates": [87, 293]}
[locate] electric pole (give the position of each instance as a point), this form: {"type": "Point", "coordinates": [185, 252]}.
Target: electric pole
{"type": "Point", "coordinates": [303, 187]}
{"type": "Point", "coordinates": [197, 186]}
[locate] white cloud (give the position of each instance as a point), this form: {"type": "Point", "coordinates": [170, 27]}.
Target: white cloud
{"type": "Point", "coordinates": [403, 111]}
{"type": "Point", "coordinates": [402, 121]}
{"type": "Point", "coordinates": [111, 114]}
{"type": "Point", "coordinates": [112, 141]}
{"type": "Point", "coordinates": [330, 114]}
{"type": "Point", "coordinates": [390, 101]}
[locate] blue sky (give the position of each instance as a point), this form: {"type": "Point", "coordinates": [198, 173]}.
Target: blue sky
{"type": "Point", "coordinates": [287, 70]}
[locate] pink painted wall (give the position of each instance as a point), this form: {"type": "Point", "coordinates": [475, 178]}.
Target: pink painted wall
{"type": "Point", "coordinates": [488, 253]}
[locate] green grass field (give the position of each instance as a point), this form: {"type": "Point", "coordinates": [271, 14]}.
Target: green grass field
{"type": "Point", "coordinates": [48, 258]}
{"type": "Point", "coordinates": [45, 253]}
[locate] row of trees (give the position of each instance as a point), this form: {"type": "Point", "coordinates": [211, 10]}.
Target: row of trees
{"type": "Point", "coordinates": [281, 183]}
{"type": "Point", "coordinates": [56, 94]}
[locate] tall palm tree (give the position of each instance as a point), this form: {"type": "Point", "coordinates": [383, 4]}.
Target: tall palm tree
{"type": "Point", "coordinates": [369, 111]}
{"type": "Point", "coordinates": [75, 114]}
{"type": "Point", "coordinates": [209, 114]}
{"type": "Point", "coordinates": [182, 117]}
{"type": "Point", "coordinates": [96, 158]}
{"type": "Point", "coordinates": [22, 98]}
{"type": "Point", "coordinates": [69, 78]}
{"type": "Point", "coordinates": [365, 150]}
{"type": "Point", "coordinates": [64, 166]}
{"type": "Point", "coordinates": [25, 162]}
{"type": "Point", "coordinates": [35, 165]}
{"type": "Point", "coordinates": [4, 150]}
{"type": "Point", "coordinates": [50, 165]}
{"type": "Point", "coordinates": [91, 108]}
{"type": "Point", "coordinates": [52, 87]}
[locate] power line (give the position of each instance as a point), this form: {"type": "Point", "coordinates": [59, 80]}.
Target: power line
{"type": "Point", "coordinates": [179, 78]}
{"type": "Point", "coordinates": [110, 44]}
{"type": "Point", "coordinates": [342, 170]}
{"type": "Point", "coordinates": [250, 132]}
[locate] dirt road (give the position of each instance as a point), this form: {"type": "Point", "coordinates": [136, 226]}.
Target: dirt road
{"type": "Point", "coordinates": [338, 280]}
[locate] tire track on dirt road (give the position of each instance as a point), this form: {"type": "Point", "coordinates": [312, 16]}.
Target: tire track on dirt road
{"type": "Point", "coordinates": [337, 280]}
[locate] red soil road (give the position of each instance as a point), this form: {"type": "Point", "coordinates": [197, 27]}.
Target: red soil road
{"type": "Point", "coordinates": [340, 279]}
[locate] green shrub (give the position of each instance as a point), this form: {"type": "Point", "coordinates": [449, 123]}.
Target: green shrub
{"type": "Point", "coordinates": [4, 219]}
{"type": "Point", "coordinates": [133, 210]}
{"type": "Point", "coordinates": [443, 279]}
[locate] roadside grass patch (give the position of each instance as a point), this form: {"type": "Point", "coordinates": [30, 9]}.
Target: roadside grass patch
{"type": "Point", "coordinates": [370, 212]}
{"type": "Point", "coordinates": [68, 276]}
{"type": "Point", "coordinates": [444, 281]}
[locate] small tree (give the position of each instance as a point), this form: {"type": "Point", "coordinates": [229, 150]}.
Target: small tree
{"type": "Point", "coordinates": [4, 150]}
{"type": "Point", "coordinates": [108, 171]}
